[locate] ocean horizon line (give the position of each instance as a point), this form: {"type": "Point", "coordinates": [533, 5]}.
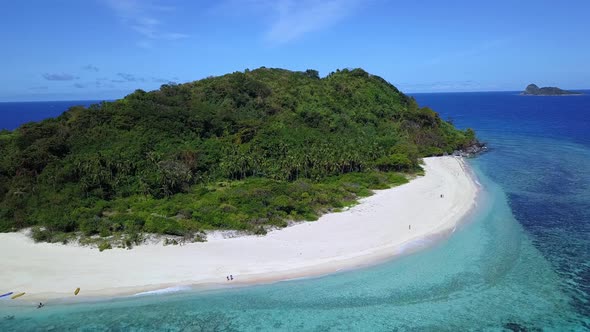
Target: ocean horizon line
{"type": "Point", "coordinates": [405, 92]}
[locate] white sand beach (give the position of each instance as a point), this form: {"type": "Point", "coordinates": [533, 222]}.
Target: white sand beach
{"type": "Point", "coordinates": [376, 229]}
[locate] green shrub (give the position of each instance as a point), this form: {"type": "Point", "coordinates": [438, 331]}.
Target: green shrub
{"type": "Point", "coordinates": [260, 230]}
{"type": "Point", "coordinates": [395, 162]}
{"type": "Point", "coordinates": [90, 226]}
{"type": "Point", "coordinates": [41, 234]}
{"type": "Point", "coordinates": [104, 246]}
{"type": "Point", "coordinates": [168, 241]}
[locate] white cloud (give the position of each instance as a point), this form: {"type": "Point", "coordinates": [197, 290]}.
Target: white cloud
{"type": "Point", "coordinates": [291, 19]}
{"type": "Point", "coordinates": [90, 68]}
{"type": "Point", "coordinates": [296, 18]}
{"type": "Point", "coordinates": [174, 36]}
{"type": "Point", "coordinates": [59, 77]}
{"type": "Point", "coordinates": [130, 77]}
{"type": "Point", "coordinates": [144, 17]}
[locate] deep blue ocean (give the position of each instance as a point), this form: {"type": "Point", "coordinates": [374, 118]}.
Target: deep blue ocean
{"type": "Point", "coordinates": [521, 263]}
{"type": "Point", "coordinates": [14, 114]}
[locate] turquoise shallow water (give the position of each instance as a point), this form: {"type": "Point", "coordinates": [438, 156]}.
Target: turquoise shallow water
{"type": "Point", "coordinates": [519, 263]}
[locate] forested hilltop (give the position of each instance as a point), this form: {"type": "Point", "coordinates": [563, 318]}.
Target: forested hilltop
{"type": "Point", "coordinates": [243, 151]}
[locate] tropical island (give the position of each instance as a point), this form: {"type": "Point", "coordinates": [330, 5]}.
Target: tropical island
{"type": "Point", "coordinates": [244, 154]}
{"type": "Point", "coordinates": [534, 90]}
{"type": "Point", "coordinates": [246, 151]}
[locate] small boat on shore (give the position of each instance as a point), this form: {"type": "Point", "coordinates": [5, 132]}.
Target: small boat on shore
{"type": "Point", "coordinates": [77, 291]}
{"type": "Point", "coordinates": [18, 295]}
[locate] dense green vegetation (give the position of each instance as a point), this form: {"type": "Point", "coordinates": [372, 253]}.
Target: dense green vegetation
{"type": "Point", "coordinates": [241, 151]}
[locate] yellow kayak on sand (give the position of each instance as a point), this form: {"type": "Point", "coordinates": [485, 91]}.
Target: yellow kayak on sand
{"type": "Point", "coordinates": [77, 291]}
{"type": "Point", "coordinates": [17, 296]}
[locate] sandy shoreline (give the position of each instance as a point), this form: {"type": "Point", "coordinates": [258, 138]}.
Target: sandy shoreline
{"type": "Point", "coordinates": [375, 230]}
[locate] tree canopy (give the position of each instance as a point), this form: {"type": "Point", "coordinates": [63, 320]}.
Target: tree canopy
{"type": "Point", "coordinates": [239, 151]}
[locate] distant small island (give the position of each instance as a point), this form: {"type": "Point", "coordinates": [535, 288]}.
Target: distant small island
{"type": "Point", "coordinates": [534, 90]}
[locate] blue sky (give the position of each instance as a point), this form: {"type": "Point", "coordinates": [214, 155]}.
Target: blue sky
{"type": "Point", "coordinates": [94, 49]}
